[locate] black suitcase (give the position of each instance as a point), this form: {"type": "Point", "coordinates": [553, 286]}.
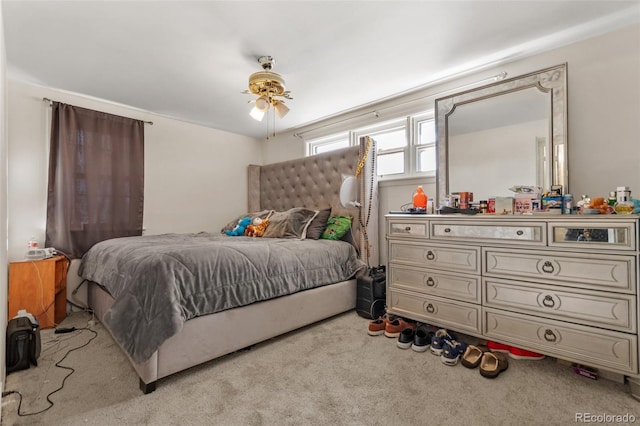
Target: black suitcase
{"type": "Point", "coordinates": [23, 344]}
{"type": "Point", "coordinates": [371, 293]}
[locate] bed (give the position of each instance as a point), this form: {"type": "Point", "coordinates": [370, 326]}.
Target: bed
{"type": "Point", "coordinates": [165, 337]}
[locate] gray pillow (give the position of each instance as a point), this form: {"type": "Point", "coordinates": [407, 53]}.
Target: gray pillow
{"type": "Point", "coordinates": [292, 223]}
{"type": "Point", "coordinates": [317, 225]}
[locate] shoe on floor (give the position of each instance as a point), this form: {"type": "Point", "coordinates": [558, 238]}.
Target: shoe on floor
{"type": "Point", "coordinates": [518, 353]}
{"type": "Point", "coordinates": [422, 339]}
{"type": "Point", "coordinates": [406, 337]}
{"type": "Point", "coordinates": [498, 347]}
{"type": "Point", "coordinates": [438, 341]}
{"type": "Point", "coordinates": [452, 351]}
{"type": "Point", "coordinates": [395, 327]}
{"type": "Point", "coordinates": [492, 364]}
{"type": "Point", "coordinates": [473, 355]}
{"type": "Point", "coordinates": [377, 326]}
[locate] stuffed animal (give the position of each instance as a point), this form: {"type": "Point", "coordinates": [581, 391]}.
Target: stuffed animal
{"type": "Point", "coordinates": [601, 204]}
{"type": "Point", "coordinates": [257, 228]}
{"type": "Point", "coordinates": [240, 227]}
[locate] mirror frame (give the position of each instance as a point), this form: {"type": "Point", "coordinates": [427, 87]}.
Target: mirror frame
{"type": "Point", "coordinates": [551, 80]}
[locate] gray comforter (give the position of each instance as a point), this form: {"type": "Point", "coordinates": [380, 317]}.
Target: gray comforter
{"type": "Point", "coordinates": [159, 282]}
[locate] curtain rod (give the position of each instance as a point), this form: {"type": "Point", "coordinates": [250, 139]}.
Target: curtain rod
{"type": "Point", "coordinates": [146, 122]}
{"type": "Point", "coordinates": [376, 112]}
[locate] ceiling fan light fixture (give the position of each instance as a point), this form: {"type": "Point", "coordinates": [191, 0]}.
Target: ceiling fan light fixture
{"type": "Point", "coordinates": [262, 103]}
{"type": "Point", "coordinates": [280, 108]}
{"type": "Point", "coordinates": [268, 86]}
{"type": "Point", "coordinates": [257, 114]}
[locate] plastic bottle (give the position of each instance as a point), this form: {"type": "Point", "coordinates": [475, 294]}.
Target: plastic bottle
{"type": "Point", "coordinates": [33, 243]}
{"type": "Point", "coordinates": [420, 199]}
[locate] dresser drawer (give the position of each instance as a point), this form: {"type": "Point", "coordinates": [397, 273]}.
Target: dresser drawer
{"type": "Point", "coordinates": [587, 345]}
{"type": "Point", "coordinates": [429, 281]}
{"type": "Point", "coordinates": [444, 257]}
{"type": "Point", "coordinates": [602, 235]}
{"type": "Point", "coordinates": [461, 316]}
{"type": "Point", "coordinates": [476, 231]}
{"type": "Point", "coordinates": [593, 271]}
{"type": "Point", "coordinates": [408, 228]}
{"type": "Point", "coordinates": [594, 308]}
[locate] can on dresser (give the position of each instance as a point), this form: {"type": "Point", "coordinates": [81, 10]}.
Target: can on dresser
{"type": "Point", "coordinates": [491, 205]}
{"type": "Point", "coordinates": [465, 199]}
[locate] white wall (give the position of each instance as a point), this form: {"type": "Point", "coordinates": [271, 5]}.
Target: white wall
{"type": "Point", "coordinates": [195, 177]}
{"type": "Point", "coordinates": [603, 103]}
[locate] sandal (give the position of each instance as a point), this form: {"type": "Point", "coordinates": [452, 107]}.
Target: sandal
{"type": "Point", "coordinates": [473, 355]}
{"type": "Point", "coordinates": [492, 364]}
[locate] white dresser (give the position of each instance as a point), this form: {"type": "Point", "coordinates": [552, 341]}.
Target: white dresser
{"type": "Point", "coordinates": [565, 286]}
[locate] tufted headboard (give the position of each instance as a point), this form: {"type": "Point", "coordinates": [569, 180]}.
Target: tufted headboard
{"type": "Point", "coordinates": [312, 182]}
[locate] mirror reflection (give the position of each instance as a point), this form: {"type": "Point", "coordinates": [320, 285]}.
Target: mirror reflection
{"type": "Point", "coordinates": [499, 140]}
{"type": "Point", "coordinates": [504, 134]}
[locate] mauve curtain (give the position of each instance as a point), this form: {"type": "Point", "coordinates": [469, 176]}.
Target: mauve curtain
{"type": "Point", "coordinates": [96, 178]}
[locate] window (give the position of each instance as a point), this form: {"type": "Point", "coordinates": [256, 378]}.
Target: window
{"type": "Point", "coordinates": [404, 147]}
{"type": "Point", "coordinates": [331, 143]}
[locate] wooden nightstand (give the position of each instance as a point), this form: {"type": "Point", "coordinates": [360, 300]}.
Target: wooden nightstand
{"type": "Point", "coordinates": [39, 287]}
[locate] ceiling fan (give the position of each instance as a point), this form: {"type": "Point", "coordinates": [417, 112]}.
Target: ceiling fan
{"type": "Point", "coordinates": [269, 87]}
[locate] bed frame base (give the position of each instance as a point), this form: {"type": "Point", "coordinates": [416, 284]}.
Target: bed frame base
{"type": "Point", "coordinates": [147, 387]}
{"type": "Point", "coordinates": [208, 337]}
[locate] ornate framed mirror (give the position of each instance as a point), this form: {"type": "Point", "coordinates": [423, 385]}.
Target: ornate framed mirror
{"type": "Point", "coordinates": [508, 133]}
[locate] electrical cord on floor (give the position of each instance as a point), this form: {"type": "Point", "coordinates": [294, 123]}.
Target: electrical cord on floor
{"type": "Point", "coordinates": [57, 364]}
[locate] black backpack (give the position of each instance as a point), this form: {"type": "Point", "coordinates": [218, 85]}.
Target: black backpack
{"type": "Point", "coordinates": [371, 291]}
{"type": "Point", "coordinates": [23, 344]}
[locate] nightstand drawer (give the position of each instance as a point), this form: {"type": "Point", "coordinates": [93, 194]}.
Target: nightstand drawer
{"type": "Point", "coordinates": [461, 316]}
{"type": "Point", "coordinates": [444, 257]}
{"type": "Point", "coordinates": [587, 345]}
{"type": "Point", "coordinates": [593, 271]}
{"type": "Point", "coordinates": [594, 308]}
{"type": "Point", "coordinates": [507, 233]}
{"type": "Point", "coordinates": [429, 281]}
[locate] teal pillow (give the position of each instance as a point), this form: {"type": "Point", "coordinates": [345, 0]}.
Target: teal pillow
{"type": "Point", "coordinates": [337, 227]}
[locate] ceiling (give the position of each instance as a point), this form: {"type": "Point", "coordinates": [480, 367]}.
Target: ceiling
{"type": "Point", "coordinates": [190, 60]}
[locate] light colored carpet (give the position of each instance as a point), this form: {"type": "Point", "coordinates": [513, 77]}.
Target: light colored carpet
{"type": "Point", "coordinates": [330, 373]}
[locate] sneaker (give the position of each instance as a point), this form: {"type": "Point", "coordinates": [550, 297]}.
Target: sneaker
{"type": "Point", "coordinates": [498, 347]}
{"type": "Point", "coordinates": [438, 340]}
{"type": "Point", "coordinates": [395, 327]}
{"type": "Point", "coordinates": [422, 339]}
{"type": "Point", "coordinates": [452, 351]}
{"type": "Point", "coordinates": [518, 353]}
{"type": "Point", "coordinates": [377, 326]}
{"type": "Point", "coordinates": [405, 340]}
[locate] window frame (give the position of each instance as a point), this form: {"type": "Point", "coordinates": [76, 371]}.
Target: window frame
{"type": "Point", "coordinates": [410, 123]}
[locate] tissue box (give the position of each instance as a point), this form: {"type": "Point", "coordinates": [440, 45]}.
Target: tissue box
{"type": "Point", "coordinates": [523, 205]}
{"type": "Point", "coordinates": [504, 205]}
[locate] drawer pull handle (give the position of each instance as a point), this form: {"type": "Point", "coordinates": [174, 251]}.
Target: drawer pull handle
{"type": "Point", "coordinates": [407, 229]}
{"type": "Point", "coordinates": [519, 232]}
{"type": "Point", "coordinates": [430, 282]}
{"type": "Point", "coordinates": [548, 301]}
{"type": "Point", "coordinates": [430, 255]}
{"type": "Point", "coordinates": [430, 308]}
{"type": "Point", "coordinates": [548, 267]}
{"type": "Point", "coordinates": [447, 230]}
{"type": "Point", "coordinates": [549, 336]}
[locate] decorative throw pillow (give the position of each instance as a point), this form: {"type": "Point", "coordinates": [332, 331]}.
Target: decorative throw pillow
{"type": "Point", "coordinates": [337, 226]}
{"type": "Point", "coordinates": [318, 225]}
{"type": "Point", "coordinates": [292, 223]}
{"type": "Point", "coordinates": [264, 214]}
